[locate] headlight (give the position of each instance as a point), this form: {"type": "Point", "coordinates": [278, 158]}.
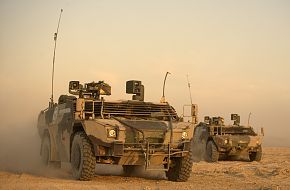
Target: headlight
{"type": "Point", "coordinates": [111, 133]}
{"type": "Point", "coordinates": [184, 135]}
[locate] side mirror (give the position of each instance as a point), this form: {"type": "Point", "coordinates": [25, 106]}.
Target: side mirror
{"type": "Point", "coordinates": [194, 110]}
{"type": "Point", "coordinates": [190, 111]}
{"type": "Point", "coordinates": [262, 131]}
{"type": "Point", "coordinates": [194, 113]}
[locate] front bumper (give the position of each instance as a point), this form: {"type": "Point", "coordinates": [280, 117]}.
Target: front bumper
{"type": "Point", "coordinates": [151, 155]}
{"type": "Point", "coordinates": [173, 150]}
{"type": "Point", "coordinates": [232, 145]}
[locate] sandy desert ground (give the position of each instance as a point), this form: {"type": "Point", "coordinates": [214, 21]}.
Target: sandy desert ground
{"type": "Point", "coordinates": [273, 172]}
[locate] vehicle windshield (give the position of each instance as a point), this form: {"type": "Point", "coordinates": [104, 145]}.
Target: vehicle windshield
{"type": "Point", "coordinates": [131, 109]}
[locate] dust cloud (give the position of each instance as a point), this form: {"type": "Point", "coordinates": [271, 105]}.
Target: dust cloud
{"type": "Point", "coordinates": [19, 139]}
{"type": "Point", "coordinates": [19, 148]}
{"type": "Point", "coordinates": [20, 151]}
{"type": "Point", "coordinates": [198, 152]}
{"type": "Point", "coordinates": [113, 170]}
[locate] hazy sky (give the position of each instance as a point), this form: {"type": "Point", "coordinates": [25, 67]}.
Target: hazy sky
{"type": "Point", "coordinates": [236, 53]}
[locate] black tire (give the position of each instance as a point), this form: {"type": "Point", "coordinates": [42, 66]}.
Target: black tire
{"type": "Point", "coordinates": [83, 160]}
{"type": "Point", "coordinates": [224, 157]}
{"type": "Point", "coordinates": [129, 170]}
{"type": "Point", "coordinates": [45, 151]}
{"type": "Point", "coordinates": [212, 154]}
{"type": "Point", "coordinates": [181, 169]}
{"type": "Point", "coordinates": [256, 156]}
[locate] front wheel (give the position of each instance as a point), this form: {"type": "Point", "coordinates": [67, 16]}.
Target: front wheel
{"type": "Point", "coordinates": [256, 156]}
{"type": "Point", "coordinates": [83, 160]}
{"type": "Point", "coordinates": [181, 169]}
{"type": "Point", "coordinates": [212, 154]}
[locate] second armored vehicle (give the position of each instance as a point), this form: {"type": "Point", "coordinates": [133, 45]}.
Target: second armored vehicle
{"type": "Point", "coordinates": [213, 140]}
{"type": "Point", "coordinates": [85, 129]}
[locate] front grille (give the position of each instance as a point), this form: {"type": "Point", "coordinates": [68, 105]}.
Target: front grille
{"type": "Point", "coordinates": [129, 108]}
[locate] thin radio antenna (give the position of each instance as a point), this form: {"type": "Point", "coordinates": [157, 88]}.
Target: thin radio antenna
{"type": "Point", "coordinates": [53, 60]}
{"type": "Point", "coordinates": [188, 83]}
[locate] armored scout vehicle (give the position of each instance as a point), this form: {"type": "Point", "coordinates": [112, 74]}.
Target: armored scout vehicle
{"type": "Point", "coordinates": [214, 140]}
{"type": "Point", "coordinates": [86, 130]}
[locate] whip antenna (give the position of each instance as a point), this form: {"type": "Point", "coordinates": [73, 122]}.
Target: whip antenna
{"type": "Point", "coordinates": [53, 60]}
{"type": "Point", "coordinates": [189, 89]}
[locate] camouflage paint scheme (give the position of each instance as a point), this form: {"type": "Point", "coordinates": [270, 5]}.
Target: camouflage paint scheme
{"type": "Point", "coordinates": [230, 140]}
{"type": "Point", "coordinates": [61, 121]}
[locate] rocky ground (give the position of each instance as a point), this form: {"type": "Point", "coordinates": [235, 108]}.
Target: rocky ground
{"type": "Point", "coordinates": [273, 172]}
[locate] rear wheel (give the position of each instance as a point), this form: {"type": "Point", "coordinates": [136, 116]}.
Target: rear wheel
{"type": "Point", "coordinates": [129, 170]}
{"type": "Point", "coordinates": [83, 160]}
{"type": "Point", "coordinates": [181, 169]}
{"type": "Point", "coordinates": [256, 156]}
{"type": "Point", "coordinates": [212, 154]}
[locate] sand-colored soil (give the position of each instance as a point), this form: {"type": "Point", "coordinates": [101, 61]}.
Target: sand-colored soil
{"type": "Point", "coordinates": [273, 172]}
